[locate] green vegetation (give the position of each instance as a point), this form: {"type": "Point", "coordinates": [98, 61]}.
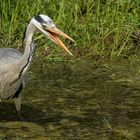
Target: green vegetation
{"type": "Point", "coordinates": [101, 28]}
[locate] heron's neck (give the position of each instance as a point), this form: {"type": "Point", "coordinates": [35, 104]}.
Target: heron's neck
{"type": "Point", "coordinates": [29, 48]}
{"type": "Point", "coordinates": [28, 41]}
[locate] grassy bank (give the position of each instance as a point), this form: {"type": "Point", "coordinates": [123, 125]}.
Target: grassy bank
{"type": "Point", "coordinates": [101, 28]}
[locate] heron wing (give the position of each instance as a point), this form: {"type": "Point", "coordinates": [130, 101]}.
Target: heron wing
{"type": "Point", "coordinates": [8, 55]}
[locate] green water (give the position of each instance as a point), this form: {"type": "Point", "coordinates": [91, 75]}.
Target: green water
{"type": "Point", "coordinates": [77, 101]}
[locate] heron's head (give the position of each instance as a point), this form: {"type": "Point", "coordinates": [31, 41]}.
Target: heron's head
{"type": "Point", "coordinates": [45, 25]}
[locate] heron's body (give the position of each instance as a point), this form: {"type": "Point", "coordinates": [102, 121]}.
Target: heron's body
{"type": "Point", "coordinates": [11, 83]}
{"type": "Point", "coordinates": [14, 64]}
{"type": "Point", "coordinates": [9, 87]}
{"type": "Point", "coordinates": [8, 56]}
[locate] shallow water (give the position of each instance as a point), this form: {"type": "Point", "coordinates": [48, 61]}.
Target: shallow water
{"type": "Point", "coordinates": [77, 101]}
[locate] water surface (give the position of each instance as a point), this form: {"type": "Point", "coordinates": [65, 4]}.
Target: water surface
{"type": "Point", "coordinates": [77, 101]}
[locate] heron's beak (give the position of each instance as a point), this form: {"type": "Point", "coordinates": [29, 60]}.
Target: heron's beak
{"type": "Point", "coordinates": [54, 32]}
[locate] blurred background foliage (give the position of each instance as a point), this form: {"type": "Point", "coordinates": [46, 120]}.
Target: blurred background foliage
{"type": "Point", "coordinates": [101, 28]}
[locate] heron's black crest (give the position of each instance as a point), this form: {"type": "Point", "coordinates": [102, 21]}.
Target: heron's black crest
{"type": "Point", "coordinates": [40, 19]}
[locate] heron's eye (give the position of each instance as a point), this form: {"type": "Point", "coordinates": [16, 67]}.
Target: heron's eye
{"type": "Point", "coordinates": [50, 22]}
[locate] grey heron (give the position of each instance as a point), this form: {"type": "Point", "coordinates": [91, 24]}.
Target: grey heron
{"type": "Point", "coordinates": [14, 65]}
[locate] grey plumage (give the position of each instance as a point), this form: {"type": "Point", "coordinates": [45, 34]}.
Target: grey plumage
{"type": "Point", "coordinates": [11, 84]}
{"type": "Point", "coordinates": [14, 64]}
{"type": "Point", "coordinates": [8, 55]}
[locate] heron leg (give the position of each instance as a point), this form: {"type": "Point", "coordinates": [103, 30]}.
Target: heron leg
{"type": "Point", "coordinates": [17, 102]}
